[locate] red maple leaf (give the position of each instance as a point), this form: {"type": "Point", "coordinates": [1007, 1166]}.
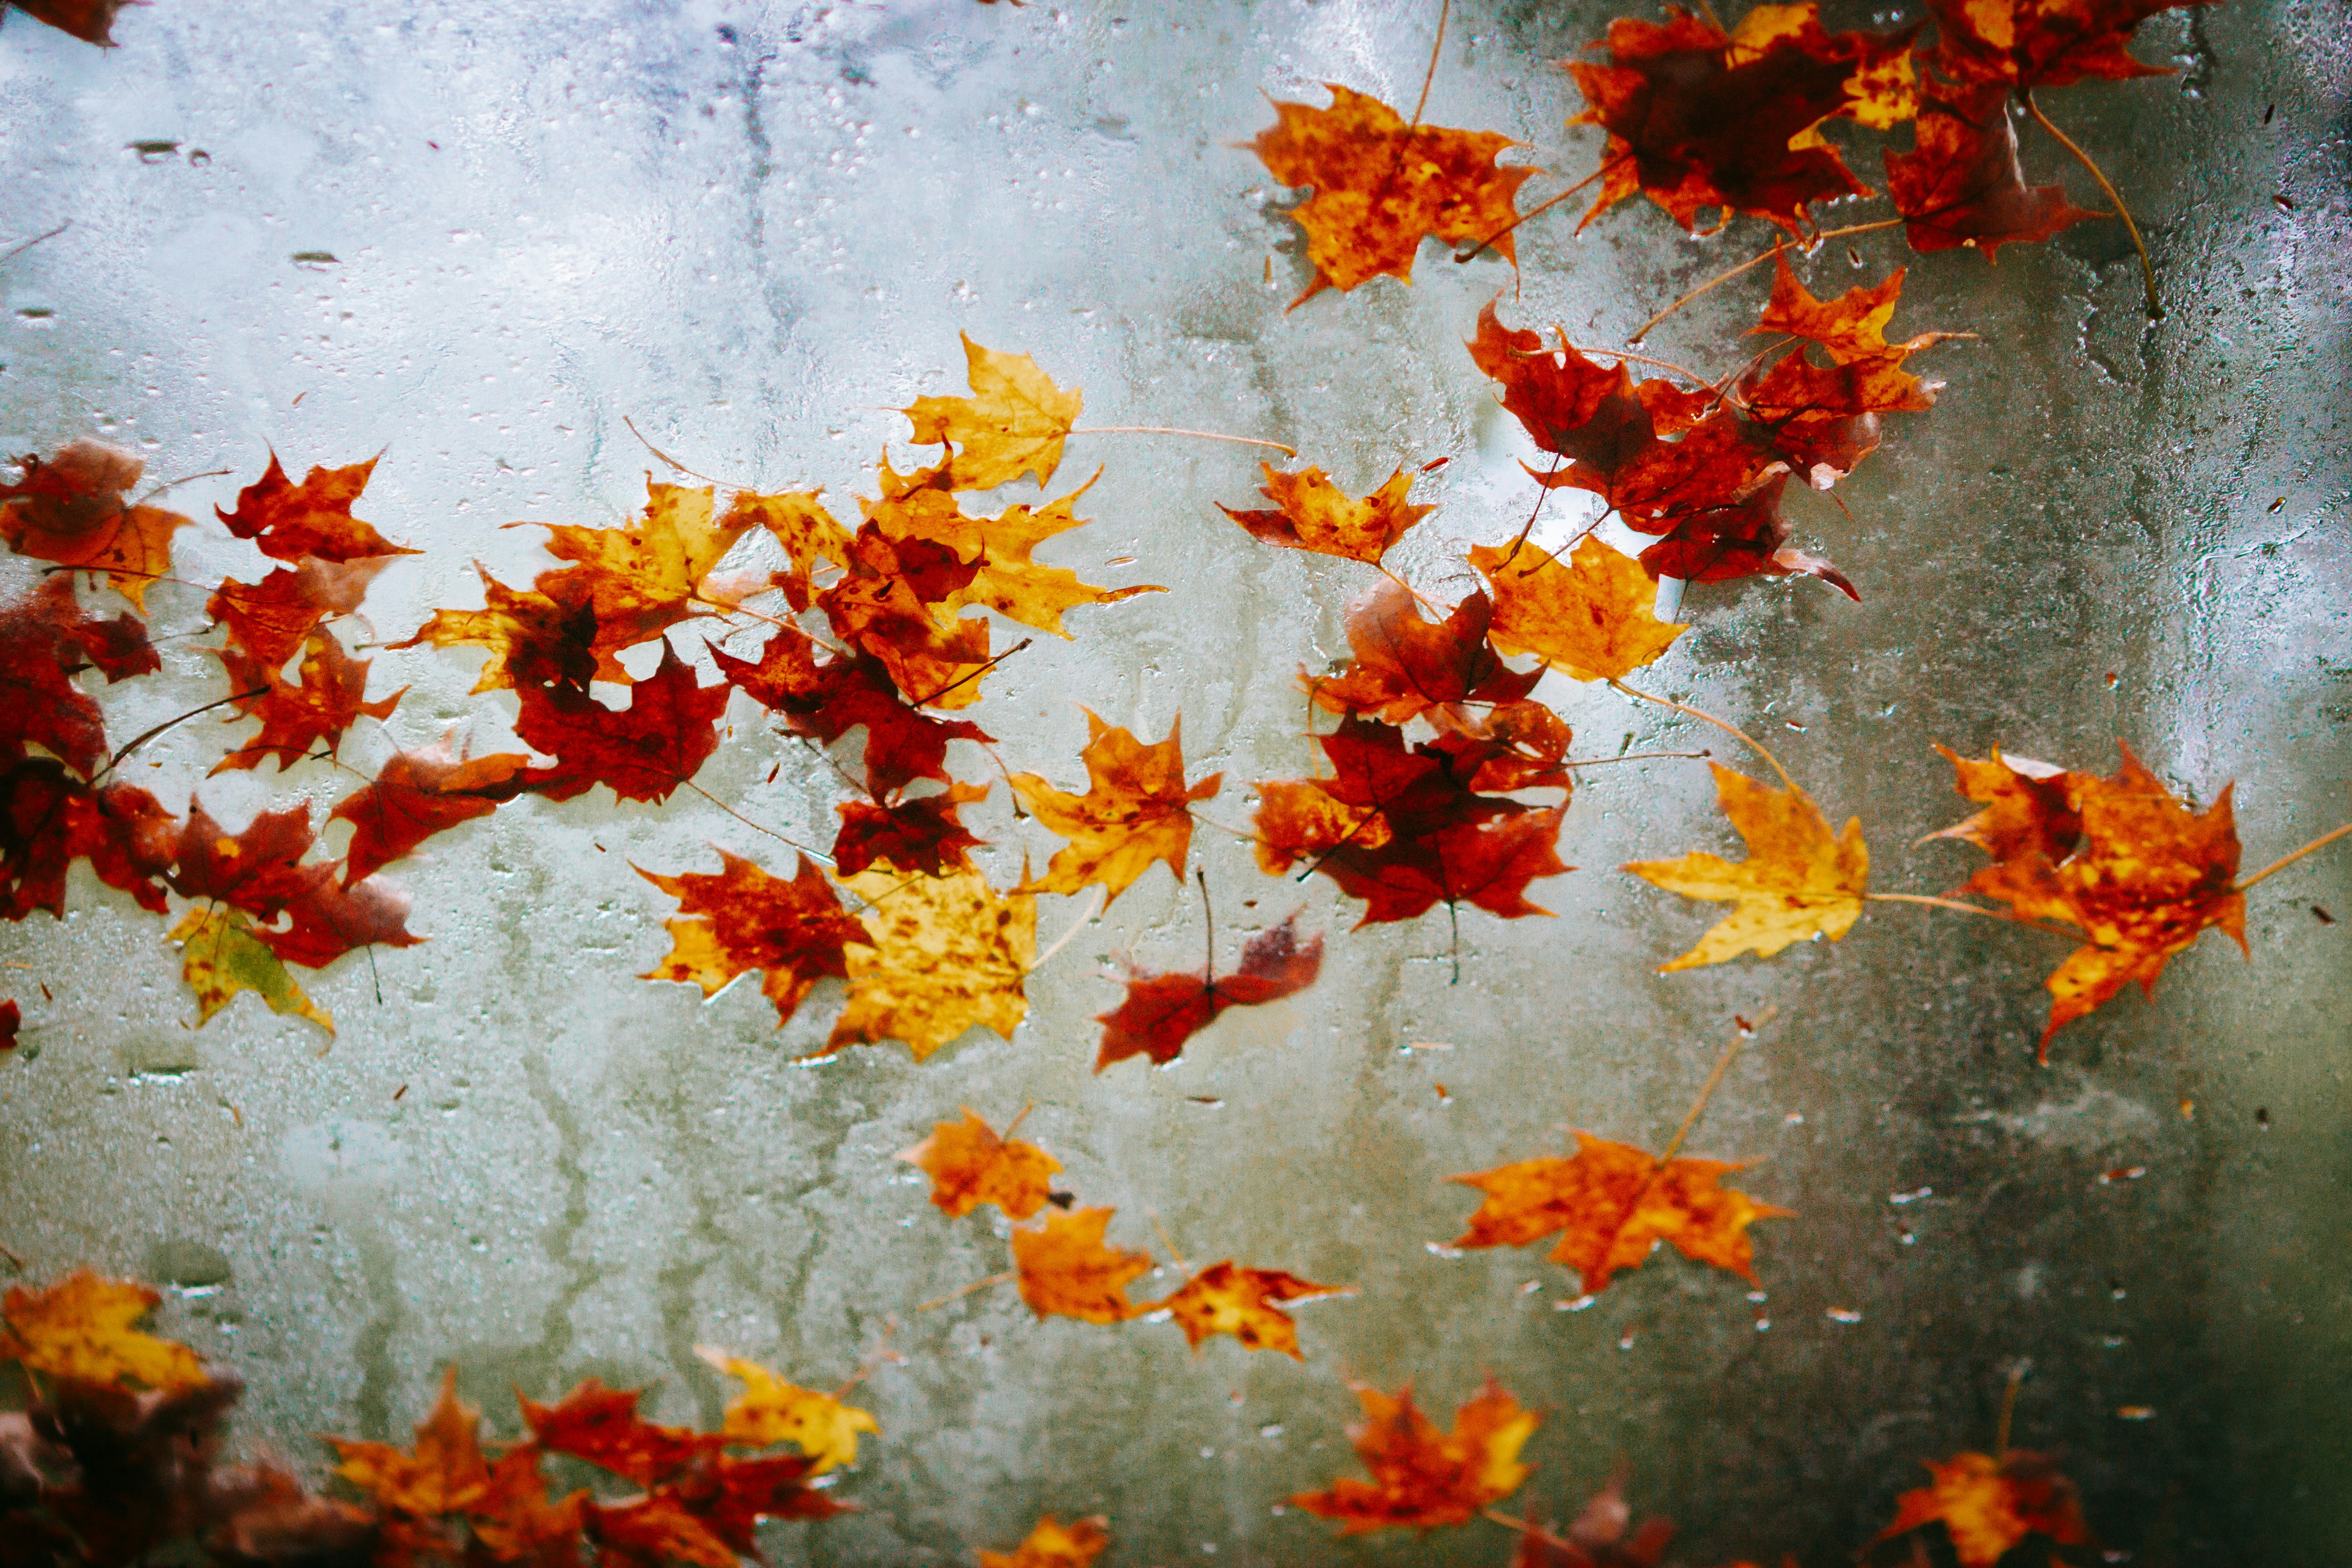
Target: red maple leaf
{"type": "Point", "coordinates": [288, 521]}
{"type": "Point", "coordinates": [1163, 1011]}
{"type": "Point", "coordinates": [272, 618]}
{"type": "Point", "coordinates": [295, 716]}
{"type": "Point", "coordinates": [1961, 184]}
{"type": "Point", "coordinates": [1408, 667]}
{"type": "Point", "coordinates": [45, 638]}
{"type": "Point", "coordinates": [534, 640]}
{"type": "Point", "coordinates": [885, 607]}
{"type": "Point", "coordinates": [417, 794]}
{"type": "Point", "coordinates": [326, 919]}
{"type": "Point", "coordinates": [258, 871]}
{"type": "Point", "coordinates": [2043, 43]}
{"type": "Point", "coordinates": [825, 699]}
{"type": "Point", "coordinates": [643, 751]}
{"type": "Point", "coordinates": [923, 833]}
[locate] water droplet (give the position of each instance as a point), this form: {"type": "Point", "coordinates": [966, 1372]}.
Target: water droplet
{"type": "Point", "coordinates": [1844, 1315]}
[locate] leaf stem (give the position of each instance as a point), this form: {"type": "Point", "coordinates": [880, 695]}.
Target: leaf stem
{"type": "Point", "coordinates": [1637, 359]}
{"type": "Point", "coordinates": [1740, 1036]}
{"type": "Point", "coordinates": [754, 826]}
{"type": "Point", "coordinates": [1068, 936]}
{"type": "Point", "coordinates": [1444, 10]}
{"type": "Point", "coordinates": [1632, 757]}
{"type": "Point", "coordinates": [977, 671]}
{"type": "Point", "coordinates": [1725, 725]}
{"type": "Point", "coordinates": [1174, 430]}
{"type": "Point", "coordinates": [2008, 1412]}
{"type": "Point", "coordinates": [1476, 250]}
{"type": "Point", "coordinates": [1004, 1278]}
{"type": "Point", "coordinates": [2146, 267]}
{"type": "Point", "coordinates": [681, 468]}
{"type": "Point", "coordinates": [1543, 494]}
{"type": "Point", "coordinates": [146, 735]}
{"type": "Point", "coordinates": [1722, 278]}
{"type": "Point", "coordinates": [2321, 842]}
{"type": "Point", "coordinates": [2081, 937]}
{"type": "Point", "coordinates": [16, 251]}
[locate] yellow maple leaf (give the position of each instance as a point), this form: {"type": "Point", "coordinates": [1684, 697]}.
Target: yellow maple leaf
{"type": "Point", "coordinates": [1137, 809]}
{"type": "Point", "coordinates": [1592, 616]}
{"type": "Point", "coordinates": [220, 956]}
{"type": "Point", "coordinates": [1014, 421]}
{"type": "Point", "coordinates": [1053, 1544]}
{"type": "Point", "coordinates": [1314, 514]}
{"type": "Point", "coordinates": [444, 1472]}
{"type": "Point", "coordinates": [1797, 882]}
{"type": "Point", "coordinates": [81, 1327]}
{"type": "Point", "coordinates": [948, 952]}
{"type": "Point", "coordinates": [771, 1411]}
{"type": "Point", "coordinates": [800, 523]}
{"type": "Point", "coordinates": [1228, 1299]}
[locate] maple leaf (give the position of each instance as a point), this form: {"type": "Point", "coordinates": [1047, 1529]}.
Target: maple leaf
{"type": "Point", "coordinates": [270, 619]}
{"type": "Point", "coordinates": [1404, 830]}
{"type": "Point", "coordinates": [1013, 423]}
{"type": "Point", "coordinates": [923, 833]}
{"type": "Point", "coordinates": [48, 820]}
{"type": "Point", "coordinates": [257, 870]}
{"type": "Point", "coordinates": [1137, 809]}
{"type": "Point", "coordinates": [642, 578]}
{"type": "Point", "coordinates": [825, 699]}
{"type": "Point", "coordinates": [1314, 514]}
{"type": "Point", "coordinates": [1824, 418]}
{"type": "Point", "coordinates": [45, 638]}
{"type": "Point", "coordinates": [1226, 1298]}
{"type": "Point", "coordinates": [84, 1327]}
{"type": "Point", "coordinates": [329, 919]}
{"type": "Point", "coordinates": [602, 1426]}
{"type": "Point", "coordinates": [1961, 184]}
{"type": "Point", "coordinates": [1599, 1538]}
{"type": "Point", "coordinates": [443, 1472]}
{"type": "Point", "coordinates": [1612, 1202]}
{"type": "Point", "coordinates": [418, 794]}
{"type": "Point", "coordinates": [883, 607]}
{"type": "Point", "coordinates": [1698, 117]}
{"type": "Point", "coordinates": [1798, 882]}
{"type": "Point", "coordinates": [70, 509]}
{"type": "Point", "coordinates": [533, 640]}
{"type": "Point", "coordinates": [288, 521]}
{"type": "Point", "coordinates": [12, 1020]}
{"type": "Point", "coordinates": [328, 698]}
{"type": "Point", "coordinates": [2145, 876]}
{"type": "Point", "coordinates": [744, 919]}
{"type": "Point", "coordinates": [771, 1411]}
{"type": "Point", "coordinates": [808, 532]}
{"type": "Point", "coordinates": [643, 751]}
{"type": "Point", "coordinates": [1381, 186]}
{"type": "Point", "coordinates": [92, 21]}
{"type": "Point", "coordinates": [515, 1519]}
{"type": "Point", "coordinates": [969, 1165]}
{"type": "Point", "coordinates": [1592, 615]}
{"type": "Point", "coordinates": [2043, 43]}
{"type": "Point", "coordinates": [1407, 668]}
{"type": "Point", "coordinates": [1988, 1505]}
{"type": "Point", "coordinates": [1423, 1477]}
{"type": "Point", "coordinates": [1053, 1544]}
{"type": "Point", "coordinates": [942, 954]}
{"type": "Point", "coordinates": [221, 955]}
{"type": "Point", "coordinates": [1161, 1012]}
{"type": "Point", "coordinates": [1065, 1270]}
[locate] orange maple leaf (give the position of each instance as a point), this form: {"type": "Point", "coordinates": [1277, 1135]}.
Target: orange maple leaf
{"type": "Point", "coordinates": [444, 1472]}
{"type": "Point", "coordinates": [2043, 43]}
{"type": "Point", "coordinates": [1798, 882]}
{"type": "Point", "coordinates": [1053, 1544]}
{"type": "Point", "coordinates": [270, 619]}
{"type": "Point", "coordinates": [418, 794]}
{"type": "Point", "coordinates": [1312, 513]}
{"type": "Point", "coordinates": [1423, 1477]}
{"type": "Point", "coordinates": [1592, 615]}
{"type": "Point", "coordinates": [647, 575]}
{"type": "Point", "coordinates": [1823, 419]}
{"type": "Point", "coordinates": [1137, 809]}
{"type": "Point", "coordinates": [1381, 186]}
{"type": "Point", "coordinates": [82, 1327]}
{"type": "Point", "coordinates": [886, 605]}
{"type": "Point", "coordinates": [1988, 1505]}
{"type": "Point", "coordinates": [1161, 1012]}
{"type": "Point", "coordinates": [328, 698]}
{"type": "Point", "coordinates": [1228, 1299]}
{"type": "Point", "coordinates": [288, 521]}
{"type": "Point", "coordinates": [1612, 1204]}
{"type": "Point", "coordinates": [969, 1165]}
{"type": "Point", "coordinates": [1409, 668]}
{"type": "Point", "coordinates": [2142, 878]}
{"type": "Point", "coordinates": [1065, 1270]}
{"type": "Point", "coordinates": [794, 931]}
{"type": "Point", "coordinates": [70, 509]}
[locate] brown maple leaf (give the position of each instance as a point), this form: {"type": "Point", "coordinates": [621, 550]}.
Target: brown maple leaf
{"type": "Point", "coordinates": [1960, 184]}
{"type": "Point", "coordinates": [1161, 1012]}
{"type": "Point", "coordinates": [1593, 615]}
{"type": "Point", "coordinates": [534, 640]}
{"type": "Point", "coordinates": [1698, 117]}
{"type": "Point", "coordinates": [744, 919]}
{"type": "Point", "coordinates": [1381, 186]}
{"type": "Point", "coordinates": [271, 619]}
{"type": "Point", "coordinates": [1602, 1536]}
{"type": "Point", "coordinates": [1988, 1505]}
{"type": "Point", "coordinates": [1311, 513]}
{"type": "Point", "coordinates": [84, 1327]}
{"type": "Point", "coordinates": [46, 637]}
{"type": "Point", "coordinates": [71, 510]}
{"type": "Point", "coordinates": [443, 1472]}
{"type": "Point", "coordinates": [923, 833]}
{"type": "Point", "coordinates": [1065, 1270]}
{"type": "Point", "coordinates": [1013, 423]}
{"type": "Point", "coordinates": [2043, 43]}
{"type": "Point", "coordinates": [643, 751]}
{"type": "Point", "coordinates": [328, 698]}
{"type": "Point", "coordinates": [1137, 809]}
{"type": "Point", "coordinates": [1423, 1477]}
{"type": "Point", "coordinates": [969, 1165]}
{"type": "Point", "coordinates": [1408, 667]}
{"type": "Point", "coordinates": [418, 794]}
{"type": "Point", "coordinates": [1053, 1544]}
{"type": "Point", "coordinates": [2142, 878]}
{"type": "Point", "coordinates": [288, 521]}
{"type": "Point", "coordinates": [826, 699]}
{"type": "Point", "coordinates": [1799, 881]}
{"type": "Point", "coordinates": [1226, 1298]}
{"type": "Point", "coordinates": [1611, 1203]}
{"type": "Point", "coordinates": [941, 954]}
{"type": "Point", "coordinates": [1404, 830]}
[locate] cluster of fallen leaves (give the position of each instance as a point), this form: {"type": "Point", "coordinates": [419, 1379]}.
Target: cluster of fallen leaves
{"type": "Point", "coordinates": [116, 1458]}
